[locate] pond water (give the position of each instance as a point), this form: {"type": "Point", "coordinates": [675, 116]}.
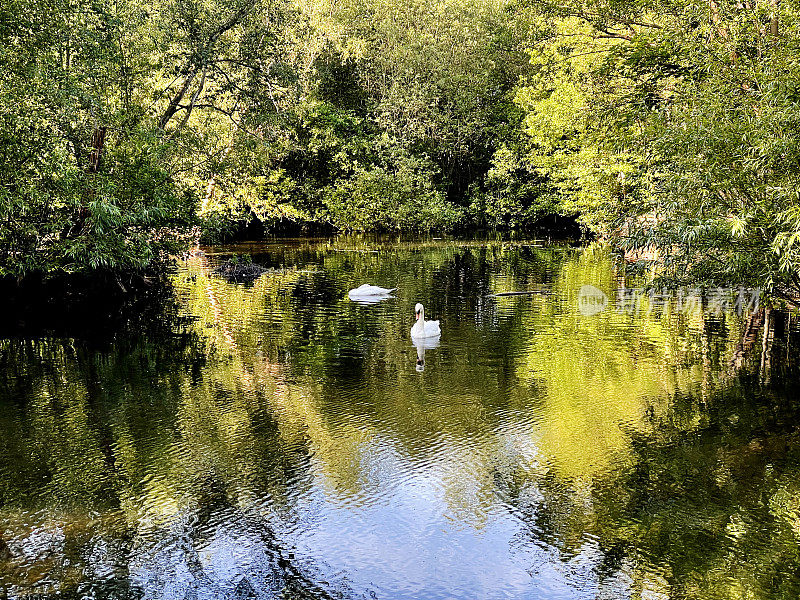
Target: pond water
{"type": "Point", "coordinates": [274, 439]}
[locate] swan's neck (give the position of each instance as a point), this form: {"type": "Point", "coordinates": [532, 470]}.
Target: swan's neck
{"type": "Point", "coordinates": [422, 317]}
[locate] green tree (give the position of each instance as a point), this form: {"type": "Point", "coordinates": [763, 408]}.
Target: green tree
{"type": "Point", "coordinates": [85, 180]}
{"type": "Point", "coordinates": [672, 128]}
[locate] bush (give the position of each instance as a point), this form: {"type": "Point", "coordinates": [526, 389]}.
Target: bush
{"type": "Point", "coordinates": [390, 198]}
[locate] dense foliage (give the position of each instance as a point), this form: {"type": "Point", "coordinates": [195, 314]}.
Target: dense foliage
{"type": "Point", "coordinates": [673, 127]}
{"type": "Point", "coordinates": [669, 127]}
{"type": "Point", "coordinates": [85, 172]}
{"type": "Point", "coordinates": [389, 118]}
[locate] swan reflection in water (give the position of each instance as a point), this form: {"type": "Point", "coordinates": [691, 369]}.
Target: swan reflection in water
{"type": "Point", "coordinates": [422, 344]}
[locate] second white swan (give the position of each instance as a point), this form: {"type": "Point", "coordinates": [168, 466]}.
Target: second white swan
{"type": "Point", "coordinates": [370, 290]}
{"type": "Point", "coordinates": [423, 328]}
{"type": "Point", "coordinates": [369, 294]}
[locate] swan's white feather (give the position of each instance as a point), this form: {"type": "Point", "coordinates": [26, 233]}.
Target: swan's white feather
{"type": "Point", "coordinates": [370, 290]}
{"type": "Point", "coordinates": [423, 328]}
{"type": "Point", "coordinates": [427, 329]}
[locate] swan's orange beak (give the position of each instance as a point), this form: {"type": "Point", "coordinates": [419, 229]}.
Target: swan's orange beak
{"type": "Point", "coordinates": [416, 316]}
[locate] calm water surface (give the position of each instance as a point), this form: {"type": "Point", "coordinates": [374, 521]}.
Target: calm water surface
{"type": "Point", "coordinates": [276, 440]}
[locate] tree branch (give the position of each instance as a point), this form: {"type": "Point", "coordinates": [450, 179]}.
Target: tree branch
{"type": "Point", "coordinates": [172, 108]}
{"type": "Point", "coordinates": [194, 98]}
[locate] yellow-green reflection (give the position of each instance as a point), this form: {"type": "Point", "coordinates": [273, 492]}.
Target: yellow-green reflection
{"type": "Point", "coordinates": [604, 375]}
{"type": "Point", "coordinates": [586, 381]}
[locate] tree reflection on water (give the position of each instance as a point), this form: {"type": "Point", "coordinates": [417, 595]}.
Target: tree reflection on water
{"type": "Point", "coordinates": [275, 438]}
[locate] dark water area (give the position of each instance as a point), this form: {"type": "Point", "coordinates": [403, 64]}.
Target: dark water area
{"type": "Point", "coordinates": [276, 439]}
{"type": "Point", "coordinates": [554, 226]}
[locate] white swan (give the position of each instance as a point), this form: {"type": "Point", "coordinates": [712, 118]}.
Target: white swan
{"type": "Point", "coordinates": [368, 294]}
{"type": "Point", "coordinates": [423, 328]}
{"type": "Point", "coordinates": [370, 290]}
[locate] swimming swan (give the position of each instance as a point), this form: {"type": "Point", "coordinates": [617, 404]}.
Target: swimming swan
{"type": "Point", "coordinates": [369, 294]}
{"type": "Point", "coordinates": [370, 290]}
{"type": "Point", "coordinates": [423, 328]}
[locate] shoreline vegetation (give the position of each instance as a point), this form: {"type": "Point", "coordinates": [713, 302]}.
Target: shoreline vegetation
{"type": "Point", "coordinates": [133, 130]}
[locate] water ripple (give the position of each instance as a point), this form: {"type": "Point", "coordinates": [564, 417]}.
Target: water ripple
{"type": "Point", "coordinates": [284, 441]}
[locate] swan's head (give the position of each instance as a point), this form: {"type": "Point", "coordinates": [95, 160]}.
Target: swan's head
{"type": "Point", "coordinates": [418, 310]}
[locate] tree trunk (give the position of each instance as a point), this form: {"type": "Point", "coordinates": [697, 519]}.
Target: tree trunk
{"type": "Point", "coordinates": [98, 141]}
{"type": "Point", "coordinates": [773, 22]}
{"type": "Point", "coordinates": [79, 221]}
